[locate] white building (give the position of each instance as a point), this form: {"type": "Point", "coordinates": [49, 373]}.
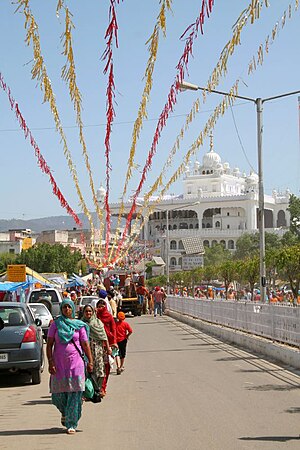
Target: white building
{"type": "Point", "coordinates": [218, 205]}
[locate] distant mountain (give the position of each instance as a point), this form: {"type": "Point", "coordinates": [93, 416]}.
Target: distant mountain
{"type": "Point", "coordinates": [49, 223]}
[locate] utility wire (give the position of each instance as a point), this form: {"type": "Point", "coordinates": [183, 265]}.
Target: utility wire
{"type": "Point", "coordinates": [115, 123]}
{"type": "Point", "coordinates": [240, 140]}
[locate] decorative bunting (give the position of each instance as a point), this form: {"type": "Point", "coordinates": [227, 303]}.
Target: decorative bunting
{"type": "Point", "coordinates": [39, 72]}
{"type": "Point", "coordinates": [41, 161]}
{"type": "Point", "coordinates": [219, 110]}
{"type": "Point", "coordinates": [69, 75]}
{"type": "Point", "coordinates": [111, 36]}
{"type": "Point", "coordinates": [171, 101]}
{"type": "Point", "coordinates": [142, 112]}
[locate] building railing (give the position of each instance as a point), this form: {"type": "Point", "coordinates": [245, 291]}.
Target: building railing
{"type": "Point", "coordinates": [277, 322]}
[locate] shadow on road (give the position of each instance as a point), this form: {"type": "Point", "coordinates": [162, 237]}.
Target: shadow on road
{"type": "Point", "coordinates": [274, 387]}
{"type": "Point", "coordinates": [37, 402]}
{"type": "Point", "coordinates": [270, 438]}
{"type": "Point", "coordinates": [293, 410]}
{"type": "Point", "coordinates": [41, 432]}
{"type": "Point", "coordinates": [14, 380]}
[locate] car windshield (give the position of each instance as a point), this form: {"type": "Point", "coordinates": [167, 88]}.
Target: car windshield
{"type": "Point", "coordinates": [40, 310]}
{"type": "Point", "coordinates": [12, 316]}
{"type": "Point", "coordinates": [49, 295]}
{"type": "Point", "coordinates": [87, 300]}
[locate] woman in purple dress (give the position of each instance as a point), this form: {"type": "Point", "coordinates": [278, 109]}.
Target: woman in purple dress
{"type": "Point", "coordinates": [66, 365]}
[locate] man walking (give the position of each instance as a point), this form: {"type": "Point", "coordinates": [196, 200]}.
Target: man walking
{"type": "Point", "coordinates": [158, 297]}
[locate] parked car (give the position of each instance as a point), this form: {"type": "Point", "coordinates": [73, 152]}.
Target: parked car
{"type": "Point", "coordinates": [50, 297]}
{"type": "Point", "coordinates": [41, 312]}
{"type": "Point", "coordinates": [86, 300]}
{"type": "Point", "coordinates": [21, 340]}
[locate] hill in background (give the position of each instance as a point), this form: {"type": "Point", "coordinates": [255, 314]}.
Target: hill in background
{"type": "Point", "coordinates": [49, 223]}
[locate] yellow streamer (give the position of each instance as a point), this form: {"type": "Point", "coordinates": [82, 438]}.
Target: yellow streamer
{"type": "Point", "coordinates": [39, 72]}
{"type": "Point", "coordinates": [69, 75]}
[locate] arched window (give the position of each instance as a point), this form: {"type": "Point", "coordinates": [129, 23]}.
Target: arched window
{"type": "Point", "coordinates": [203, 225]}
{"type": "Point", "coordinates": [208, 225]}
{"type": "Point", "coordinates": [223, 243]}
{"type": "Point", "coordinates": [231, 245]}
{"type": "Point", "coordinates": [180, 245]}
{"type": "Point", "coordinates": [180, 262]}
{"type": "Point", "coordinates": [173, 245]}
{"type": "Point", "coordinates": [218, 224]}
{"type": "Point", "coordinates": [191, 226]}
{"type": "Point", "coordinates": [197, 225]}
{"type": "Point", "coordinates": [281, 220]}
{"type": "Point", "coordinates": [206, 243]}
{"type": "Point", "coordinates": [214, 243]}
{"type": "Point", "coordinates": [175, 227]}
{"type": "Point", "coordinates": [173, 261]}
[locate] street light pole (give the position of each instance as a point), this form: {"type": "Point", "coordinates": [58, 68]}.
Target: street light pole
{"type": "Point", "coordinates": [261, 201]}
{"type": "Point", "coordinates": [167, 253]}
{"type": "Point", "coordinates": [261, 218]}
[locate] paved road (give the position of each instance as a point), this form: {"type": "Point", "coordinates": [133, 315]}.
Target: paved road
{"type": "Point", "coordinates": [181, 390]}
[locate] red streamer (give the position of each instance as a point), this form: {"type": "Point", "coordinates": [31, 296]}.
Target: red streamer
{"type": "Point", "coordinates": [41, 161]}
{"type": "Point", "coordinates": [111, 36]}
{"type": "Point", "coordinates": [206, 9]}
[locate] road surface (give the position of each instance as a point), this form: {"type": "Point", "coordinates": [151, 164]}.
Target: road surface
{"type": "Point", "coordinates": [181, 390]}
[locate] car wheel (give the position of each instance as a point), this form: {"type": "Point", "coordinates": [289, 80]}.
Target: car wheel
{"type": "Point", "coordinates": [36, 376]}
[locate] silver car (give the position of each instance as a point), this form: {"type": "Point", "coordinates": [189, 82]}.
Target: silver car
{"type": "Point", "coordinates": [21, 340]}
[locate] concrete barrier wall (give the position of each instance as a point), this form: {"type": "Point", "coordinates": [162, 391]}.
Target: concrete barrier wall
{"type": "Point", "coordinates": [278, 352]}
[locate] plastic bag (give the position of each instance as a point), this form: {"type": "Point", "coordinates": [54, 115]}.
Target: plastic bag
{"type": "Point", "coordinates": [89, 388]}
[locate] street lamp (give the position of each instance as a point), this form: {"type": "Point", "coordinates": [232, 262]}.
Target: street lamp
{"type": "Point", "coordinates": [261, 220]}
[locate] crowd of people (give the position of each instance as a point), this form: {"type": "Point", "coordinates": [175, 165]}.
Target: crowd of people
{"type": "Point", "coordinates": [93, 344]}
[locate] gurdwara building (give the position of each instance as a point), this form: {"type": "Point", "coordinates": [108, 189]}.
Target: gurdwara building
{"type": "Point", "coordinates": [218, 205]}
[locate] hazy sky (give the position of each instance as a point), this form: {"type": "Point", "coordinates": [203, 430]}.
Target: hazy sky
{"type": "Point", "coordinates": [26, 192]}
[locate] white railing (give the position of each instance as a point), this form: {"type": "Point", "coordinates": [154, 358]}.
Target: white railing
{"type": "Point", "coordinates": [277, 322]}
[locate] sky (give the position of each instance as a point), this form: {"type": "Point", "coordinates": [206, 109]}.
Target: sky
{"type": "Point", "coordinates": [26, 192]}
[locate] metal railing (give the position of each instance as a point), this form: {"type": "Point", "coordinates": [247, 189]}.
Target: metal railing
{"type": "Point", "coordinates": [277, 322]}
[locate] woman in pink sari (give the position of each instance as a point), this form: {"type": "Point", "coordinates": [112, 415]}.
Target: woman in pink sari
{"type": "Point", "coordinates": [66, 343]}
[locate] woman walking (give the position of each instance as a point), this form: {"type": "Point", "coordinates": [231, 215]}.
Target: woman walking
{"type": "Point", "coordinates": [66, 365]}
{"type": "Point", "coordinates": [110, 329]}
{"type": "Point", "coordinates": [98, 341]}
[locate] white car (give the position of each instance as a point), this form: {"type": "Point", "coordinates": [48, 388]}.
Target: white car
{"type": "Point", "coordinates": [41, 312]}
{"type": "Point", "coordinates": [86, 300]}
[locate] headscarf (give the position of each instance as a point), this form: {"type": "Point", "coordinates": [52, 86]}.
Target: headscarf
{"type": "Point", "coordinates": [102, 293]}
{"type": "Point", "coordinates": [66, 327]}
{"type": "Point", "coordinates": [109, 324]}
{"type": "Point", "coordinates": [97, 331]}
{"type": "Point", "coordinates": [121, 315]}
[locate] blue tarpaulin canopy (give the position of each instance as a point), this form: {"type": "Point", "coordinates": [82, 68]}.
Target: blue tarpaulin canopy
{"type": "Point", "coordinates": [75, 281]}
{"type": "Point", "coordinates": [10, 286]}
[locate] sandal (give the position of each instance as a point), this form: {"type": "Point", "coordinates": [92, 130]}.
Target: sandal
{"type": "Point", "coordinates": [71, 431]}
{"type": "Point", "coordinates": [63, 421]}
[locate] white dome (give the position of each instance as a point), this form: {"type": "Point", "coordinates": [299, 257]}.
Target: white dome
{"type": "Point", "coordinates": [101, 192]}
{"type": "Point", "coordinates": [252, 178]}
{"type": "Point", "coordinates": [211, 160]}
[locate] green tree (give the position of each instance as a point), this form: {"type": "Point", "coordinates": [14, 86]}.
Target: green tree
{"type": "Point", "coordinates": [248, 244]}
{"type": "Point", "coordinates": [6, 259]}
{"type": "Point", "coordinates": [287, 262]}
{"type": "Point", "coordinates": [249, 271]}
{"type": "Point", "coordinates": [50, 258]}
{"type": "Point", "coordinates": [294, 209]}
{"type": "Point", "coordinates": [227, 271]}
{"type": "Point", "coordinates": [216, 255]}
